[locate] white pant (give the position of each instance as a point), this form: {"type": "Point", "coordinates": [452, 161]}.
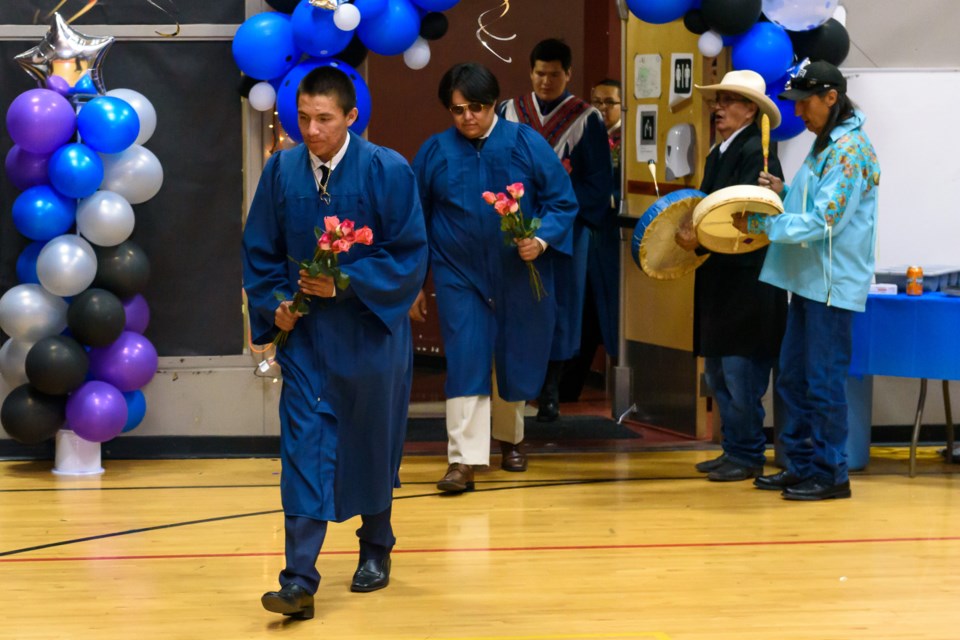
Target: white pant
{"type": "Point", "coordinates": [468, 426]}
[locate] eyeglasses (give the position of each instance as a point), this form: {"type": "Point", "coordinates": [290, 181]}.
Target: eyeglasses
{"type": "Point", "coordinates": [605, 104]}
{"type": "Point", "coordinates": [474, 107]}
{"type": "Point", "coordinates": [723, 102]}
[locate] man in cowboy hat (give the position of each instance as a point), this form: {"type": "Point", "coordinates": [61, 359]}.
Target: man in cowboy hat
{"type": "Point", "coordinates": [738, 320]}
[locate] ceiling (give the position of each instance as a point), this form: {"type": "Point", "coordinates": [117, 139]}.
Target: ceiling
{"type": "Point", "coordinates": [903, 33]}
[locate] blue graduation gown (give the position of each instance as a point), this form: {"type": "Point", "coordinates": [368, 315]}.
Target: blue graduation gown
{"type": "Point", "coordinates": [487, 309]}
{"type": "Point", "coordinates": [347, 365]}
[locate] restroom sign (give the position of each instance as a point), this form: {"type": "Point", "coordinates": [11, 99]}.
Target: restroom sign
{"type": "Point", "coordinates": [681, 77]}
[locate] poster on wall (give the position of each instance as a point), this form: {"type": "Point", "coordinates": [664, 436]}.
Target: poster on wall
{"type": "Point", "coordinates": [646, 76]}
{"type": "Point", "coordinates": [681, 78]}
{"type": "Point", "coordinates": [646, 132]}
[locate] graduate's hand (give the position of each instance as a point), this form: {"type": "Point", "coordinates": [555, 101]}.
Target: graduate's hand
{"type": "Point", "coordinates": [321, 286]}
{"type": "Point", "coordinates": [529, 249]}
{"type": "Point", "coordinates": [771, 182]}
{"type": "Point", "coordinates": [284, 318]}
{"type": "Point", "coordinates": [418, 311]}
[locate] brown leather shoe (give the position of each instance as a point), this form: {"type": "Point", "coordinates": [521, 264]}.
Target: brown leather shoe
{"type": "Point", "coordinates": [459, 478]}
{"type": "Point", "coordinates": [512, 459]}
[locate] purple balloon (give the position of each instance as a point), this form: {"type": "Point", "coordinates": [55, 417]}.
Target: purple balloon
{"type": "Point", "coordinates": [41, 120]}
{"type": "Point", "coordinates": [128, 363]}
{"type": "Point", "coordinates": [138, 314]}
{"type": "Point", "coordinates": [58, 84]}
{"type": "Point", "coordinates": [97, 411]}
{"type": "Point", "coordinates": [25, 168]}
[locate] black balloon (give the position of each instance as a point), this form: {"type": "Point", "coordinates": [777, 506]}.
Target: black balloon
{"type": "Point", "coordinates": [246, 83]}
{"type": "Point", "coordinates": [284, 6]}
{"type": "Point", "coordinates": [354, 53]}
{"type": "Point", "coordinates": [434, 26]}
{"type": "Point", "coordinates": [830, 41]}
{"type": "Point", "coordinates": [57, 365]}
{"type": "Point", "coordinates": [123, 270]}
{"type": "Point", "coordinates": [731, 17]}
{"type": "Point", "coordinates": [30, 417]}
{"type": "Point", "coordinates": [694, 22]}
{"type": "Point", "coordinates": [96, 317]}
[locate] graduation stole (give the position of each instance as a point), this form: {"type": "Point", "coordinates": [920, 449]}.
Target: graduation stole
{"type": "Point", "coordinates": [557, 123]}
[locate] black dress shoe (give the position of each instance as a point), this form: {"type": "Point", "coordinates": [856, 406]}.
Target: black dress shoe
{"type": "Point", "coordinates": [817, 489]}
{"type": "Point", "coordinates": [709, 465]}
{"type": "Point", "coordinates": [372, 574]}
{"type": "Point", "coordinates": [733, 472]}
{"type": "Point", "coordinates": [292, 600]}
{"type": "Point", "coordinates": [548, 411]}
{"type": "Point", "coordinates": [777, 481]}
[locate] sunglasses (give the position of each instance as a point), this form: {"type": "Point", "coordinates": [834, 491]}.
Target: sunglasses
{"type": "Point", "coordinates": [474, 107]}
{"type": "Point", "coordinates": [604, 104]}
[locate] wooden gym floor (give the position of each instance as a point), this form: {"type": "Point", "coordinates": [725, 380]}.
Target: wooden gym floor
{"type": "Point", "coordinates": [593, 545]}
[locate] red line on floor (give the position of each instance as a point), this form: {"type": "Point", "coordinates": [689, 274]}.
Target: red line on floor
{"type": "Point", "coordinates": [589, 547]}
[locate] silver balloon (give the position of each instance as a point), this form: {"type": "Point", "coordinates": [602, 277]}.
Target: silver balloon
{"type": "Point", "coordinates": [69, 54]}
{"type": "Point", "coordinates": [144, 109]}
{"type": "Point", "coordinates": [106, 219]}
{"type": "Point", "coordinates": [29, 312]}
{"type": "Point", "coordinates": [134, 173]}
{"type": "Point", "coordinates": [324, 4]}
{"type": "Point", "coordinates": [13, 362]}
{"type": "Point", "coordinates": [799, 15]}
{"type": "Point", "coordinates": [66, 265]}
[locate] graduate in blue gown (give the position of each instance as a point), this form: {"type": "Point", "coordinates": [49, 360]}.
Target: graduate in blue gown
{"type": "Point", "coordinates": [578, 136]}
{"type": "Point", "coordinates": [347, 364]}
{"type": "Point", "coordinates": [489, 315]}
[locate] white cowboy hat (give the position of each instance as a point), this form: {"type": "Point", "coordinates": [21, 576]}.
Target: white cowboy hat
{"type": "Point", "coordinates": [748, 84]}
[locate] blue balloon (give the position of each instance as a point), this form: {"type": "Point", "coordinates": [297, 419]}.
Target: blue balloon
{"type": "Point", "coordinates": [790, 125]}
{"type": "Point", "coordinates": [27, 263]}
{"type": "Point", "coordinates": [392, 32]}
{"type": "Point", "coordinates": [766, 49]}
{"type": "Point", "coordinates": [76, 170]}
{"type": "Point", "coordinates": [263, 46]}
{"type": "Point", "coordinates": [287, 96]}
{"type": "Point", "coordinates": [436, 5]}
{"type": "Point", "coordinates": [659, 11]}
{"type": "Point", "coordinates": [136, 409]}
{"type": "Point", "coordinates": [370, 9]}
{"type": "Point", "coordinates": [84, 86]}
{"type": "Point", "coordinates": [108, 124]}
{"type": "Point", "coordinates": [315, 33]}
{"type": "Point", "coordinates": [40, 213]}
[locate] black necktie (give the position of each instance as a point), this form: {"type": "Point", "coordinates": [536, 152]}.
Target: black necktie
{"type": "Point", "coordinates": [324, 178]}
{"type": "Point", "coordinates": [477, 142]}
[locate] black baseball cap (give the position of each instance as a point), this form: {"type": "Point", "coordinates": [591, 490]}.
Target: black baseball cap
{"type": "Point", "coordinates": [812, 78]}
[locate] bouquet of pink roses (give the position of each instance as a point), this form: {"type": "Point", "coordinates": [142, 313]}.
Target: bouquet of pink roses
{"type": "Point", "coordinates": [336, 238]}
{"type": "Point", "coordinates": [517, 226]}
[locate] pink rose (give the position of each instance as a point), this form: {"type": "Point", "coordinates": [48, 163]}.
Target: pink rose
{"type": "Point", "coordinates": [330, 223]}
{"type": "Point", "coordinates": [516, 190]}
{"type": "Point", "coordinates": [503, 206]}
{"type": "Point", "coordinates": [363, 235]}
{"type": "Point", "coordinates": [489, 197]}
{"type": "Point", "coordinates": [325, 242]}
{"type": "Point", "coordinates": [346, 227]}
{"type": "Point", "coordinates": [501, 196]}
{"type": "Point", "coordinates": [342, 245]}
{"type": "Point", "coordinates": [513, 206]}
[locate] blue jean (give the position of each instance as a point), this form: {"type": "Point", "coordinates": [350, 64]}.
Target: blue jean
{"type": "Point", "coordinates": [814, 363]}
{"type": "Point", "coordinates": [738, 384]}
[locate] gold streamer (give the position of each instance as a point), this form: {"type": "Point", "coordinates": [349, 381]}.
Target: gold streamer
{"type": "Point", "coordinates": [173, 12]}
{"type": "Point", "coordinates": [483, 30]}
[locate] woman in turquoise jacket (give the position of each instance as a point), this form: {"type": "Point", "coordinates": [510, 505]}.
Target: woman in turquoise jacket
{"type": "Point", "coordinates": [822, 251]}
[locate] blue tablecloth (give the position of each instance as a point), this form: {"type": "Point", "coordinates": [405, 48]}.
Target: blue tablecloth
{"type": "Point", "coordinates": [908, 336]}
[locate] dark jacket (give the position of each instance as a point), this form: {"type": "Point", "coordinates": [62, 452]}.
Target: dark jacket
{"type": "Point", "coordinates": [734, 313]}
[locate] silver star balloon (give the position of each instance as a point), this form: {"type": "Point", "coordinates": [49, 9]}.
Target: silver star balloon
{"type": "Point", "coordinates": [68, 54]}
{"type": "Point", "coordinates": [325, 4]}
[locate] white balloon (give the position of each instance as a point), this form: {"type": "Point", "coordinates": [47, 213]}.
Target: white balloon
{"type": "Point", "coordinates": [840, 15]}
{"type": "Point", "coordinates": [29, 312]}
{"type": "Point", "coordinates": [13, 362]}
{"type": "Point", "coordinates": [144, 109]}
{"type": "Point", "coordinates": [106, 219]}
{"type": "Point", "coordinates": [134, 173]}
{"type": "Point", "coordinates": [799, 15]}
{"type": "Point", "coordinates": [66, 265]}
{"type": "Point", "coordinates": [418, 55]}
{"type": "Point", "coordinates": [710, 44]}
{"type": "Point", "coordinates": [346, 17]}
{"type": "Point", "coordinates": [263, 96]}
